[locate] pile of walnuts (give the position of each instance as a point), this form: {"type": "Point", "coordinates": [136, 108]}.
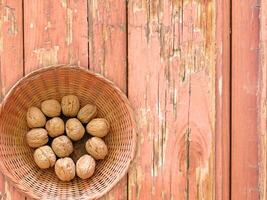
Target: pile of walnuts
{"type": "Point", "coordinates": [54, 139]}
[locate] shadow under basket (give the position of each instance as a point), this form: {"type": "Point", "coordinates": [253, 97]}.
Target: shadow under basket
{"type": "Point", "coordinates": [16, 157]}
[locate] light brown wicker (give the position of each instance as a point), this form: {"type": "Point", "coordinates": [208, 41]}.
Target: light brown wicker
{"type": "Point", "coordinates": [54, 82]}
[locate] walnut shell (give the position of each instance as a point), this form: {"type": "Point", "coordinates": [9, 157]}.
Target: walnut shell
{"type": "Point", "coordinates": [74, 129]}
{"type": "Point", "coordinates": [44, 157]}
{"type": "Point", "coordinates": [70, 105]}
{"type": "Point", "coordinates": [62, 146]}
{"type": "Point", "coordinates": [55, 127]}
{"type": "Point", "coordinates": [65, 169]}
{"type": "Point", "coordinates": [51, 108]}
{"type": "Point", "coordinates": [35, 117]}
{"type": "Point", "coordinates": [85, 167]}
{"type": "Point", "coordinates": [98, 127]}
{"type": "Point", "coordinates": [97, 148]}
{"type": "Point", "coordinates": [87, 113]}
{"type": "Point", "coordinates": [37, 137]}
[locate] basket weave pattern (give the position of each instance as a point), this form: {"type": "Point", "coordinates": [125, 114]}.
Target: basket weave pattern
{"type": "Point", "coordinates": [16, 156]}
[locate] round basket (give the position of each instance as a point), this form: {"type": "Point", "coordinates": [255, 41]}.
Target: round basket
{"type": "Point", "coordinates": [17, 162]}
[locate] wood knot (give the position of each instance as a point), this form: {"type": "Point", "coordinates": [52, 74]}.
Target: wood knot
{"type": "Point", "coordinates": [193, 148]}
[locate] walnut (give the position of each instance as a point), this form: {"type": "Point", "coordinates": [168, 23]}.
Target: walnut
{"type": "Point", "coordinates": [37, 137]}
{"type": "Point", "coordinates": [65, 169]}
{"type": "Point", "coordinates": [87, 113]}
{"type": "Point", "coordinates": [55, 127]}
{"type": "Point", "coordinates": [70, 105]}
{"type": "Point", "coordinates": [97, 148]}
{"type": "Point", "coordinates": [35, 118]}
{"type": "Point", "coordinates": [98, 127]}
{"type": "Point", "coordinates": [44, 157]}
{"type": "Point", "coordinates": [62, 146]}
{"type": "Point", "coordinates": [74, 129]}
{"type": "Point", "coordinates": [51, 108]}
{"type": "Point", "coordinates": [85, 167]}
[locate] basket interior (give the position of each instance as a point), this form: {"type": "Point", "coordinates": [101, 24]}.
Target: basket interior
{"type": "Point", "coordinates": [17, 157]}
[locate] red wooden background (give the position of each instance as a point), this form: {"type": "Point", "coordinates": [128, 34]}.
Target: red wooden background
{"type": "Point", "coordinates": [198, 91]}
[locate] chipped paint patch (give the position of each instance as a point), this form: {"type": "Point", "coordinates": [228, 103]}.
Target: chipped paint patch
{"type": "Point", "coordinates": [48, 26]}
{"type": "Point", "coordinates": [46, 56]}
{"type": "Point", "coordinates": [220, 86]}
{"type": "Point", "coordinates": [31, 25]}
{"type": "Point", "coordinates": [7, 194]}
{"type": "Point", "coordinates": [64, 3]}
{"type": "Point", "coordinates": [69, 30]}
{"type": "Point", "coordinates": [69, 21]}
{"type": "Point", "coordinates": [7, 16]}
{"type": "Point", "coordinates": [136, 180]}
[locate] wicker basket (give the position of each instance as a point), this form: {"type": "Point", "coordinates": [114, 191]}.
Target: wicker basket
{"type": "Point", "coordinates": [54, 82]}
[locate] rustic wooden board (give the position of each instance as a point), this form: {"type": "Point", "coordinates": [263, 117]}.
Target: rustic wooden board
{"type": "Point", "coordinates": [107, 54]}
{"type": "Point", "coordinates": [55, 33]}
{"type": "Point", "coordinates": [262, 113]}
{"type": "Point", "coordinates": [223, 97]}
{"type": "Point", "coordinates": [245, 76]}
{"type": "Point", "coordinates": [11, 64]}
{"type": "Point", "coordinates": [172, 88]}
{"type": "Point", "coordinates": [175, 71]}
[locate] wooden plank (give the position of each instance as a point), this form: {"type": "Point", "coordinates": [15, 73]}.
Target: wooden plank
{"type": "Point", "coordinates": [172, 88]}
{"type": "Point", "coordinates": [11, 65]}
{"type": "Point", "coordinates": [245, 76]}
{"type": "Point", "coordinates": [107, 53]}
{"type": "Point", "coordinates": [223, 113]}
{"type": "Point", "coordinates": [262, 112]}
{"type": "Point", "coordinates": [107, 39]}
{"type": "Point", "coordinates": [55, 33]}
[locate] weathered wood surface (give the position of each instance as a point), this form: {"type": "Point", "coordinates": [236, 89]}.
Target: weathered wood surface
{"type": "Point", "coordinates": [172, 89]}
{"type": "Point", "coordinates": [55, 33]}
{"type": "Point", "coordinates": [262, 98]}
{"type": "Point", "coordinates": [223, 98]}
{"type": "Point", "coordinates": [176, 76]}
{"type": "Point", "coordinates": [245, 76]}
{"type": "Point", "coordinates": [11, 64]}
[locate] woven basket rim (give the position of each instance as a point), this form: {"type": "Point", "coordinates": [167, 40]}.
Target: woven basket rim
{"type": "Point", "coordinates": [121, 95]}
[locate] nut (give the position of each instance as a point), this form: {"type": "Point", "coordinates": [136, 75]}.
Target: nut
{"type": "Point", "coordinates": [35, 118]}
{"type": "Point", "coordinates": [51, 108]}
{"type": "Point", "coordinates": [62, 146]}
{"type": "Point", "coordinates": [97, 148]}
{"type": "Point", "coordinates": [85, 167]}
{"type": "Point", "coordinates": [98, 127]}
{"type": "Point", "coordinates": [37, 137]}
{"type": "Point", "coordinates": [44, 157]}
{"type": "Point", "coordinates": [70, 105]}
{"type": "Point", "coordinates": [87, 113]}
{"type": "Point", "coordinates": [74, 129]}
{"type": "Point", "coordinates": [65, 169]}
{"type": "Point", "coordinates": [55, 127]}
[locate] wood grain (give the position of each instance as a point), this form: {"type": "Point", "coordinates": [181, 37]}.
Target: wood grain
{"type": "Point", "coordinates": [223, 98]}
{"type": "Point", "coordinates": [262, 112]}
{"type": "Point", "coordinates": [172, 89]}
{"type": "Point", "coordinates": [107, 54]}
{"type": "Point", "coordinates": [245, 76]}
{"type": "Point", "coordinates": [55, 33]}
{"type": "Point", "coordinates": [11, 65]}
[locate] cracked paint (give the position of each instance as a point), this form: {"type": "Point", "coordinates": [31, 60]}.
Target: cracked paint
{"type": "Point", "coordinates": [47, 56]}
{"type": "Point", "coordinates": [7, 16]}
